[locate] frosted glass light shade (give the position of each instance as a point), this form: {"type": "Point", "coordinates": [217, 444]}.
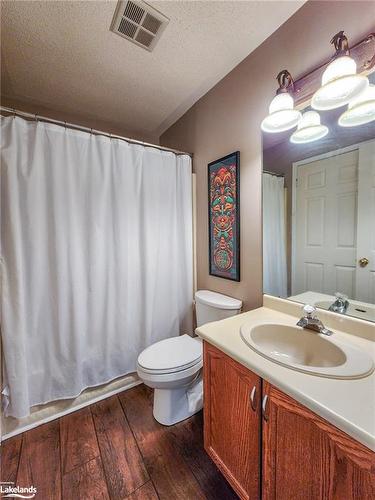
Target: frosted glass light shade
{"type": "Point", "coordinates": [340, 84]}
{"type": "Point", "coordinates": [282, 116]}
{"type": "Point", "coordinates": [281, 102]}
{"type": "Point", "coordinates": [360, 110]}
{"type": "Point", "coordinates": [309, 129]}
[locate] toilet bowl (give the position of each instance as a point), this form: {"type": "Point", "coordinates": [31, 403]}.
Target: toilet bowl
{"type": "Point", "coordinates": [172, 367]}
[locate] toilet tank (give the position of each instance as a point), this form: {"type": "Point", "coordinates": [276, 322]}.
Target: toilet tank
{"type": "Point", "coordinates": [213, 306]}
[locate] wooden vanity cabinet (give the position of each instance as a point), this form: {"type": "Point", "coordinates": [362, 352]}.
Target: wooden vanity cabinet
{"type": "Point", "coordinates": [301, 456]}
{"type": "Point", "coordinates": [307, 458]}
{"type": "Point", "coordinates": [232, 416]}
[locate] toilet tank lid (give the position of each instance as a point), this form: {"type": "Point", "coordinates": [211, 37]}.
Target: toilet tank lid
{"type": "Point", "coordinates": [218, 300]}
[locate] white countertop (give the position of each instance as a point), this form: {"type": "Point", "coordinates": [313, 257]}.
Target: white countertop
{"type": "Point", "coordinates": [348, 404]}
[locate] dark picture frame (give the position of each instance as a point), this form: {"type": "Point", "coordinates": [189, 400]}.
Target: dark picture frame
{"type": "Point", "coordinates": [223, 176]}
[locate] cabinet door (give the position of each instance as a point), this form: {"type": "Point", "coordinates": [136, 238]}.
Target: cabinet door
{"type": "Point", "coordinates": [232, 421]}
{"type": "Point", "coordinates": [306, 458]}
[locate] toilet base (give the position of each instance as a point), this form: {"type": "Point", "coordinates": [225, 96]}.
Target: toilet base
{"type": "Point", "coordinates": [171, 406]}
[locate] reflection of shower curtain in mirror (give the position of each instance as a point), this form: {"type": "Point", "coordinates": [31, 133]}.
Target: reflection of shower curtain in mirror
{"type": "Point", "coordinates": [274, 236]}
{"type": "Point", "coordinates": [97, 257]}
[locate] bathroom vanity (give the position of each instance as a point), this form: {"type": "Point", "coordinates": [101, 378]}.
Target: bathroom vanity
{"type": "Point", "coordinates": [275, 431]}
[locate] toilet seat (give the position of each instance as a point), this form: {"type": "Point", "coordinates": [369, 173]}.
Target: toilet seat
{"type": "Point", "coordinates": [171, 379]}
{"type": "Point", "coordinates": [171, 355]}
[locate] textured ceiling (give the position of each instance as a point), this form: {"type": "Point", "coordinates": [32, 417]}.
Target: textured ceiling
{"type": "Point", "coordinates": [61, 55]}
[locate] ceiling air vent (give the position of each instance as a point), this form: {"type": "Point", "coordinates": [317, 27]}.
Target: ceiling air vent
{"type": "Point", "coordinates": [138, 22]}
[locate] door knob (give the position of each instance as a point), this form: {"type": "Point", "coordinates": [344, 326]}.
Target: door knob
{"type": "Point", "coordinates": [363, 262]}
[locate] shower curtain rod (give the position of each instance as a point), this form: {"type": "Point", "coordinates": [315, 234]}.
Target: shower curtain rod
{"type": "Point", "coordinates": [273, 173]}
{"type": "Point", "coordinates": [90, 130]}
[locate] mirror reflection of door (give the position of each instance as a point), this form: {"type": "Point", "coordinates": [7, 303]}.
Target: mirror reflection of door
{"type": "Point", "coordinates": [334, 205]}
{"type": "Point", "coordinates": [365, 274]}
{"type": "Point", "coordinates": [325, 225]}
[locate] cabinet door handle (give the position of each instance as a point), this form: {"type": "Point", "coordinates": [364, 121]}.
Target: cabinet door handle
{"type": "Point", "coordinates": [264, 408]}
{"type": "Point", "coordinates": [253, 400]}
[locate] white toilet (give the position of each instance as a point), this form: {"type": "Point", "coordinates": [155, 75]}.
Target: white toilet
{"type": "Point", "coordinates": [173, 365]}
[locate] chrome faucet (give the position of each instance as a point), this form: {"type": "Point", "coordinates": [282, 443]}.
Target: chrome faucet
{"type": "Point", "coordinates": [341, 303]}
{"type": "Point", "coordinates": [311, 322]}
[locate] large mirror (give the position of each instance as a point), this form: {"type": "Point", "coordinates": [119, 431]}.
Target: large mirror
{"type": "Point", "coordinates": [319, 218]}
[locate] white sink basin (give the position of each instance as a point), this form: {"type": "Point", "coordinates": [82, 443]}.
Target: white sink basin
{"type": "Point", "coordinates": [307, 351]}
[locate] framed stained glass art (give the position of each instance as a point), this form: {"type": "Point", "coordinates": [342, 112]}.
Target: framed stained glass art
{"type": "Point", "coordinates": [224, 217]}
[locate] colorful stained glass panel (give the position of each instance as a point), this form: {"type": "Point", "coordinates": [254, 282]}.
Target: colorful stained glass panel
{"type": "Point", "coordinates": [224, 217]}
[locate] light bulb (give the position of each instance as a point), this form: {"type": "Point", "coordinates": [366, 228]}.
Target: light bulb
{"type": "Point", "coordinates": [360, 110]}
{"type": "Point", "coordinates": [282, 115]}
{"type": "Point", "coordinates": [340, 84]}
{"type": "Point", "coordinates": [309, 129]}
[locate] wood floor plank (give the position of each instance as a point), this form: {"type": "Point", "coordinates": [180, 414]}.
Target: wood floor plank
{"type": "Point", "coordinates": [188, 436]}
{"type": "Point", "coordinates": [145, 492]}
{"type": "Point", "coordinates": [137, 405]}
{"type": "Point", "coordinates": [78, 439]}
{"type": "Point", "coordinates": [86, 482]}
{"type": "Point", "coordinates": [129, 451]}
{"type": "Point", "coordinates": [9, 458]}
{"type": "Point", "coordinates": [40, 461]}
{"type": "Point", "coordinates": [123, 464]}
{"type": "Point", "coordinates": [169, 472]}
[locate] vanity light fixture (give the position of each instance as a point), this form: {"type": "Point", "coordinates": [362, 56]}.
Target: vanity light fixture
{"type": "Point", "coordinates": [360, 110]}
{"type": "Point", "coordinates": [309, 129]}
{"type": "Point", "coordinates": [282, 115]}
{"type": "Point", "coordinates": [340, 82]}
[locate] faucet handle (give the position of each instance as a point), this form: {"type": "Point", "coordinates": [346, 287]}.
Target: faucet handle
{"type": "Point", "coordinates": [309, 310]}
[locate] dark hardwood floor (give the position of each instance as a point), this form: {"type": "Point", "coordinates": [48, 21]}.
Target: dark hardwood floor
{"type": "Point", "coordinates": [115, 450]}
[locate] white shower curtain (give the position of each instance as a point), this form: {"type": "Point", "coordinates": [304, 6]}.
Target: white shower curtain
{"type": "Point", "coordinates": [274, 237]}
{"type": "Point", "coordinates": [96, 258]}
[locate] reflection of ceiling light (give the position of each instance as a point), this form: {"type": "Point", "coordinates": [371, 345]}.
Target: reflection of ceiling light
{"type": "Point", "coordinates": [360, 110]}
{"type": "Point", "coordinates": [282, 115]}
{"type": "Point", "coordinates": [340, 82]}
{"type": "Point", "coordinates": [309, 129]}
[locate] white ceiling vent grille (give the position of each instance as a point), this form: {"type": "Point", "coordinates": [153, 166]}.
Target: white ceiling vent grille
{"type": "Point", "coordinates": [138, 22]}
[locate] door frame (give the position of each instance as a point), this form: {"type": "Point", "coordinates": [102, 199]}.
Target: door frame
{"type": "Point", "coordinates": [295, 166]}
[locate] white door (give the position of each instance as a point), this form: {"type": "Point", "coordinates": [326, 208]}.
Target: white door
{"type": "Point", "coordinates": [325, 225]}
{"type": "Point", "coordinates": [365, 283]}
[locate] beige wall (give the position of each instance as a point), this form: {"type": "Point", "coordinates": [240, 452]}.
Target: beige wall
{"type": "Point", "coordinates": [228, 118]}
